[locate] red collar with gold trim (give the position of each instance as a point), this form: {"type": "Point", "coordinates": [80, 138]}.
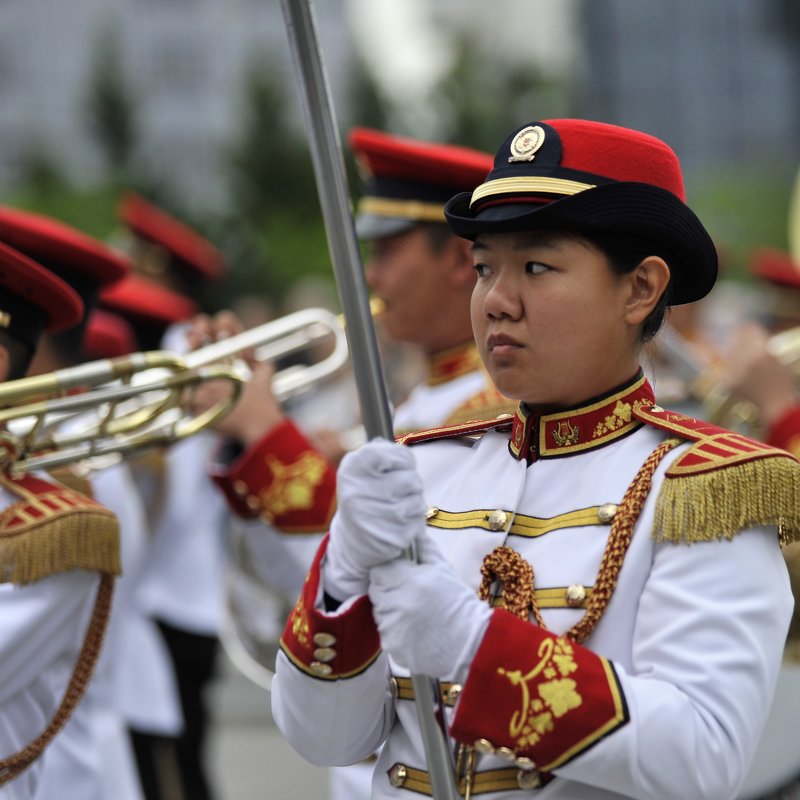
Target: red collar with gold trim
{"type": "Point", "coordinates": [453, 363]}
{"type": "Point", "coordinates": [536, 435]}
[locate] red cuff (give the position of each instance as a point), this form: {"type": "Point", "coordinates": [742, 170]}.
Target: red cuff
{"type": "Point", "coordinates": [537, 694]}
{"type": "Point", "coordinates": [282, 479]}
{"type": "Point", "coordinates": [785, 432]}
{"type": "Point", "coordinates": [326, 647]}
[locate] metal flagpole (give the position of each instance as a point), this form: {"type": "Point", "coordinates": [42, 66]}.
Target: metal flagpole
{"type": "Point", "coordinates": [326, 154]}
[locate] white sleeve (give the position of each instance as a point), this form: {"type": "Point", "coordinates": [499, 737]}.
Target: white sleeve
{"type": "Point", "coordinates": [39, 623]}
{"type": "Point", "coordinates": [707, 649]}
{"type": "Point", "coordinates": [333, 723]}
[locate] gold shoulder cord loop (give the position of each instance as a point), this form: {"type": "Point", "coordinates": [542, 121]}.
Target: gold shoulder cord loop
{"type": "Point", "coordinates": [508, 566]}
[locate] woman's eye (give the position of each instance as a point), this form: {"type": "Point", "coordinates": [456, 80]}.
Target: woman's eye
{"type": "Point", "coordinates": [536, 268]}
{"type": "Point", "coordinates": [482, 270]}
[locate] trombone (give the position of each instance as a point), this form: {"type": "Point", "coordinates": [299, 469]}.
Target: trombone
{"type": "Point", "coordinates": [112, 406]}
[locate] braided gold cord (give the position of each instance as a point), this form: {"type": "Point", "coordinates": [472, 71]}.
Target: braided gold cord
{"type": "Point", "coordinates": [619, 540]}
{"type": "Point", "coordinates": [13, 765]}
{"type": "Point", "coordinates": [516, 574]}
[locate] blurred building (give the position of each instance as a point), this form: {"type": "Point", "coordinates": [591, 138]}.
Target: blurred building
{"type": "Point", "coordinates": [183, 64]}
{"type": "Point", "coordinates": [718, 79]}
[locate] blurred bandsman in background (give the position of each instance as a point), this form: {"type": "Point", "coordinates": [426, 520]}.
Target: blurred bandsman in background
{"type": "Point", "coordinates": [93, 753]}
{"type": "Point", "coordinates": [181, 584]}
{"type": "Point", "coordinates": [59, 550]}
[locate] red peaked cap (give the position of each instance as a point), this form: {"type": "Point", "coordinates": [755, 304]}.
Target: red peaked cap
{"type": "Point", "coordinates": [85, 263]}
{"type": "Point", "coordinates": [107, 335]}
{"type": "Point", "coordinates": [190, 251]}
{"type": "Point", "coordinates": [592, 177]}
{"type": "Point", "coordinates": [408, 181]}
{"type": "Point", "coordinates": [143, 301]}
{"type": "Point", "coordinates": [775, 266]}
{"type": "Point", "coordinates": [33, 299]}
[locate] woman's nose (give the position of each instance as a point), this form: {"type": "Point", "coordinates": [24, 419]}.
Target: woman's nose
{"type": "Point", "coordinates": [502, 299]}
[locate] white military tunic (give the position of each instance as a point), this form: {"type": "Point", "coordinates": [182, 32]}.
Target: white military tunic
{"type": "Point", "coordinates": [694, 633]}
{"type": "Point", "coordinates": [43, 625]}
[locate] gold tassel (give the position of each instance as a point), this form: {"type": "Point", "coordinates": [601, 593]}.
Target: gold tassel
{"type": "Point", "coordinates": [86, 539]}
{"type": "Point", "coordinates": [713, 505]}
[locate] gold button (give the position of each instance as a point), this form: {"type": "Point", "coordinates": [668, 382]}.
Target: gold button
{"type": "Point", "coordinates": [240, 487]}
{"type": "Point", "coordinates": [527, 779]}
{"type": "Point", "coordinates": [506, 753]}
{"type": "Point", "coordinates": [607, 512]}
{"type": "Point", "coordinates": [657, 409]}
{"type": "Point", "coordinates": [525, 763]}
{"type": "Point", "coordinates": [431, 512]}
{"type": "Point", "coordinates": [267, 517]}
{"type": "Point", "coordinates": [484, 746]}
{"type": "Point", "coordinates": [453, 692]}
{"type": "Point", "coordinates": [497, 520]}
{"type": "Point", "coordinates": [397, 775]}
{"type": "Point", "coordinates": [318, 668]}
{"type": "Point", "coordinates": [253, 503]}
{"type": "Point", "coordinates": [504, 416]}
{"type": "Point", "coordinates": [323, 639]}
{"type": "Point", "coordinates": [394, 689]}
{"type": "Point", "coordinates": [325, 654]}
{"type": "Point", "coordinates": [575, 594]}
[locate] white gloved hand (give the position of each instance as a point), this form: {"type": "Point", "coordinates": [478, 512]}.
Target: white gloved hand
{"type": "Point", "coordinates": [380, 512]}
{"type": "Point", "coordinates": [428, 619]}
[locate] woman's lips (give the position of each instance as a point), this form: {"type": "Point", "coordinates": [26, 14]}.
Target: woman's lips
{"type": "Point", "coordinates": [500, 344]}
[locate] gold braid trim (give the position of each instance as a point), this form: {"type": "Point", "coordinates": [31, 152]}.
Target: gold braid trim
{"type": "Point", "coordinates": [717, 505]}
{"type": "Point", "coordinates": [619, 539]}
{"type": "Point", "coordinates": [516, 575]}
{"type": "Point", "coordinates": [508, 566]}
{"type": "Point", "coordinates": [83, 539]}
{"type": "Point", "coordinates": [17, 763]}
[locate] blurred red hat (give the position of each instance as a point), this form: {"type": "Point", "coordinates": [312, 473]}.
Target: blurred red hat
{"type": "Point", "coordinates": [408, 181]}
{"type": "Point", "coordinates": [190, 251]}
{"type": "Point", "coordinates": [107, 335]}
{"type": "Point", "coordinates": [33, 299]}
{"type": "Point", "coordinates": [85, 263]}
{"type": "Point", "coordinates": [141, 300]}
{"type": "Point", "coordinates": [774, 266]}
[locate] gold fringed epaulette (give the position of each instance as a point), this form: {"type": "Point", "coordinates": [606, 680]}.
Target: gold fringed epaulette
{"type": "Point", "coordinates": [53, 529]}
{"type": "Point", "coordinates": [472, 428]}
{"type": "Point", "coordinates": [723, 483]}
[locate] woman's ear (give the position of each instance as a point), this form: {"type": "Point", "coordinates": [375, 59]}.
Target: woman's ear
{"type": "Point", "coordinates": [462, 270]}
{"type": "Point", "coordinates": [647, 283]}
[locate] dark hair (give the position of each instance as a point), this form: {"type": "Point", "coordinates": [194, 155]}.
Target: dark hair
{"type": "Point", "coordinates": [20, 355]}
{"type": "Point", "coordinates": [624, 254]}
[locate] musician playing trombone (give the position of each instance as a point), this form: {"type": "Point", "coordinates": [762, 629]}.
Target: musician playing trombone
{"type": "Point", "coordinates": [597, 581]}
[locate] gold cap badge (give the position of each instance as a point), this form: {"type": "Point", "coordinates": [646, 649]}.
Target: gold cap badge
{"type": "Point", "coordinates": [525, 144]}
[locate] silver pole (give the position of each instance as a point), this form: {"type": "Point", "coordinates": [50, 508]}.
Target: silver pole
{"type": "Point", "coordinates": [328, 161]}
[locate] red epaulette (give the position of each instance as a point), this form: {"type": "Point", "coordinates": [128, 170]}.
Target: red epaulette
{"type": "Point", "coordinates": [472, 428]}
{"type": "Point", "coordinates": [714, 447]}
{"type": "Point", "coordinates": [717, 486]}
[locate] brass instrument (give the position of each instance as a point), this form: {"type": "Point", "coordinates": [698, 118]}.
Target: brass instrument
{"type": "Point", "coordinates": [134, 401]}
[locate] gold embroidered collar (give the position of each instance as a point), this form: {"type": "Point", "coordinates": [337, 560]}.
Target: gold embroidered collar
{"type": "Point", "coordinates": [536, 434]}
{"type": "Point", "coordinates": [453, 363]}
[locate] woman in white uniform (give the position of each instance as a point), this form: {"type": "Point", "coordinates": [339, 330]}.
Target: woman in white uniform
{"type": "Point", "coordinates": [598, 582]}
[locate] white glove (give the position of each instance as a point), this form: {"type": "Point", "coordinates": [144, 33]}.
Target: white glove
{"type": "Point", "coordinates": [380, 512]}
{"type": "Point", "coordinates": [428, 620]}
